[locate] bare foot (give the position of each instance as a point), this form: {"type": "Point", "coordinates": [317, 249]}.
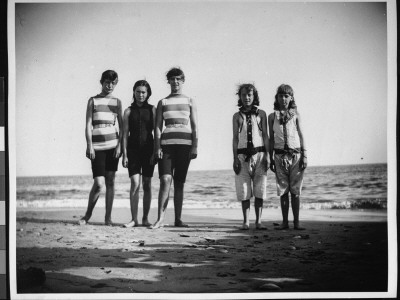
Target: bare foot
{"type": "Point", "coordinates": [82, 222]}
{"type": "Point", "coordinates": [130, 224]}
{"type": "Point", "coordinates": [245, 227]}
{"type": "Point", "coordinates": [156, 225]}
{"type": "Point", "coordinates": [260, 227]}
{"type": "Point", "coordinates": [298, 227]}
{"type": "Point", "coordinates": [283, 226]}
{"type": "Point", "coordinates": [180, 224]}
{"type": "Point", "coordinates": [146, 223]}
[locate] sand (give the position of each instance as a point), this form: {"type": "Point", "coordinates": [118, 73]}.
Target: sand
{"type": "Point", "coordinates": [340, 251]}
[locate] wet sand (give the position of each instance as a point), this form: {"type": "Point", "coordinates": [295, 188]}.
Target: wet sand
{"type": "Point", "coordinates": [340, 251]}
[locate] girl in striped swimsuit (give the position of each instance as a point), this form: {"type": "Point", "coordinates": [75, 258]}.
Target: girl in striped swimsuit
{"type": "Point", "coordinates": [176, 146]}
{"type": "Point", "coordinates": [103, 143]}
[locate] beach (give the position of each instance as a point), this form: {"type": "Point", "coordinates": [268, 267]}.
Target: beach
{"type": "Point", "coordinates": [340, 251]}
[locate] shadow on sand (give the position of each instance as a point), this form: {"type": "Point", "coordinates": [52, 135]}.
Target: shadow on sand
{"type": "Point", "coordinates": [214, 257]}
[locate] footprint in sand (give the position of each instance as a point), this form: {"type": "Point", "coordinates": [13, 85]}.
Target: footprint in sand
{"type": "Point", "coordinates": [98, 285]}
{"type": "Point", "coordinates": [225, 274]}
{"type": "Point", "coordinates": [247, 270]}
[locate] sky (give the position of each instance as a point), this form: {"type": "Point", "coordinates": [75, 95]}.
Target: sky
{"type": "Point", "coordinates": [333, 54]}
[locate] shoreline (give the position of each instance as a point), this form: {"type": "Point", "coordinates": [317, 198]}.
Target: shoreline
{"type": "Point", "coordinates": [206, 215]}
{"type": "Point", "coordinates": [349, 248]}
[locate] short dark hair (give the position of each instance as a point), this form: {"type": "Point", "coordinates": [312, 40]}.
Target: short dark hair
{"type": "Point", "coordinates": [284, 89]}
{"type": "Point", "coordinates": [142, 83]}
{"type": "Point", "coordinates": [175, 72]}
{"type": "Point", "coordinates": [248, 87]}
{"type": "Point", "coordinates": [109, 74]}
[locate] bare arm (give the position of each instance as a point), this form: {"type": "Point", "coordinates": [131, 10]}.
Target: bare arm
{"type": "Point", "coordinates": [154, 111]}
{"type": "Point", "coordinates": [152, 158]}
{"type": "Point", "coordinates": [235, 142]}
{"type": "Point", "coordinates": [195, 129]}
{"type": "Point", "coordinates": [303, 163]}
{"type": "Point", "coordinates": [88, 131]}
{"type": "Point", "coordinates": [157, 131]}
{"type": "Point", "coordinates": [264, 124]}
{"type": "Point", "coordinates": [271, 118]}
{"type": "Point", "coordinates": [117, 152]}
{"type": "Point", "coordinates": [125, 138]}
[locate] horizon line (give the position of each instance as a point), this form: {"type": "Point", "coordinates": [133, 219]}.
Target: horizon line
{"type": "Point", "coordinates": [207, 170]}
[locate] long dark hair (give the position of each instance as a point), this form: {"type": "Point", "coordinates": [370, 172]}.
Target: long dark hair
{"type": "Point", "coordinates": [142, 83]}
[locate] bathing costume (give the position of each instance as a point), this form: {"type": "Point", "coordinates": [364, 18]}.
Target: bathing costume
{"type": "Point", "coordinates": [104, 113]}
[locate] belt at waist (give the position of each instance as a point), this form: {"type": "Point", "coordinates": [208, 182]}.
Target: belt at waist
{"type": "Point", "coordinates": [102, 125]}
{"type": "Point", "coordinates": [290, 151]}
{"type": "Point", "coordinates": [175, 125]}
{"type": "Point", "coordinates": [251, 151]}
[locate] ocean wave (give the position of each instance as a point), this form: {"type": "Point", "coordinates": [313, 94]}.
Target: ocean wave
{"type": "Point", "coordinates": [339, 185]}
{"type": "Point", "coordinates": [368, 204]}
{"type": "Point", "coordinates": [365, 204]}
{"type": "Point", "coordinates": [213, 204]}
{"type": "Point", "coordinates": [82, 203]}
{"type": "Point", "coordinates": [204, 192]}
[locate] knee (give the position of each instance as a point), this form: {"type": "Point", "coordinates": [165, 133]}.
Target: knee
{"type": "Point", "coordinates": [179, 185]}
{"type": "Point", "coordinates": [146, 185]}
{"type": "Point", "coordinates": [135, 182]}
{"type": "Point", "coordinates": [246, 203]}
{"type": "Point", "coordinates": [165, 180]}
{"type": "Point", "coordinates": [285, 196]}
{"type": "Point", "coordinates": [98, 186]}
{"type": "Point", "coordinates": [110, 182]}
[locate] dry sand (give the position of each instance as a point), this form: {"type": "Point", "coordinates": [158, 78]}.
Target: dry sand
{"type": "Point", "coordinates": [340, 251]}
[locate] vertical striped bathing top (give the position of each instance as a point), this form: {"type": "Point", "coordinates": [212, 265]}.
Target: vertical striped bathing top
{"type": "Point", "coordinates": [104, 115]}
{"type": "Point", "coordinates": [176, 115]}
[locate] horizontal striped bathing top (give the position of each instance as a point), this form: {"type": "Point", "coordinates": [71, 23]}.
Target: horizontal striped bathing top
{"type": "Point", "coordinates": [105, 133]}
{"type": "Point", "coordinates": [176, 115]}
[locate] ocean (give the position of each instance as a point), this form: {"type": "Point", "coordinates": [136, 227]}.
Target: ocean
{"type": "Point", "coordinates": [325, 187]}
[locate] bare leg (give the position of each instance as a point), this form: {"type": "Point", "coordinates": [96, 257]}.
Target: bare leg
{"type": "Point", "coordinates": [285, 211]}
{"type": "Point", "coordinates": [163, 197]}
{"type": "Point", "coordinates": [246, 211]}
{"type": "Point", "coordinates": [258, 206]}
{"type": "Point", "coordinates": [146, 200]}
{"type": "Point", "coordinates": [134, 200]}
{"type": "Point", "coordinates": [110, 180]}
{"type": "Point", "coordinates": [94, 194]}
{"type": "Point", "coordinates": [178, 203]}
{"type": "Point", "coordinates": [296, 211]}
